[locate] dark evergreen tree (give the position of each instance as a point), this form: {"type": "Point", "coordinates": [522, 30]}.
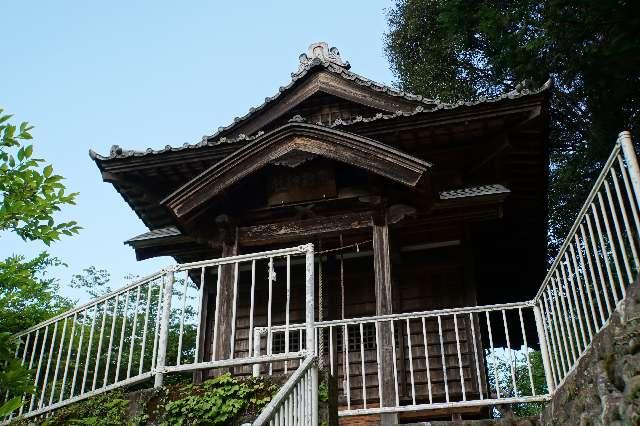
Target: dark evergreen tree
{"type": "Point", "coordinates": [465, 49]}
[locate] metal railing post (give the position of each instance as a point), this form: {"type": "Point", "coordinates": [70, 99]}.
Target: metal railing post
{"type": "Point", "coordinates": [544, 350]}
{"type": "Point", "coordinates": [164, 330]}
{"type": "Point", "coordinates": [624, 139]}
{"type": "Point", "coordinates": [309, 327]}
{"type": "Point", "coordinates": [256, 350]}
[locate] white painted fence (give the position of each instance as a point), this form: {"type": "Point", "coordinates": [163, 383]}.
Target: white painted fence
{"type": "Point", "coordinates": [598, 260]}
{"type": "Point", "coordinates": [446, 364]}
{"type": "Point", "coordinates": [150, 328]}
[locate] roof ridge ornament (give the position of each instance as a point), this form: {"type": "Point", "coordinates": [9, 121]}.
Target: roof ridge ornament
{"type": "Point", "coordinates": [320, 53]}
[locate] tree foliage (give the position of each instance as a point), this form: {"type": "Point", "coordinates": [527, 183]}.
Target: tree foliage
{"type": "Point", "coordinates": [508, 371]}
{"type": "Point", "coordinates": [94, 281]}
{"type": "Point", "coordinates": [27, 295]}
{"type": "Point", "coordinates": [30, 196]}
{"type": "Point", "coordinates": [30, 193]}
{"type": "Point", "coordinates": [465, 49]}
{"type": "Point", "coordinates": [13, 377]}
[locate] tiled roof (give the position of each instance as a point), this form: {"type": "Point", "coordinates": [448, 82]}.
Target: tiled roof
{"type": "Point", "coordinates": [215, 138]}
{"type": "Point", "coordinates": [519, 92]}
{"type": "Point", "coordinates": [169, 231]}
{"type": "Point", "coordinates": [335, 66]}
{"type": "Point", "coordinates": [474, 191]}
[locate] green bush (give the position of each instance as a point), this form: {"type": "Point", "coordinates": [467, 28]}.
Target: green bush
{"type": "Point", "coordinates": [222, 400]}
{"type": "Point", "coordinates": [217, 401]}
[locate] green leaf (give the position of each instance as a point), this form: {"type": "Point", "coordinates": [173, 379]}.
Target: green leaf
{"type": "Point", "coordinates": [4, 118]}
{"type": "Point", "coordinates": [10, 406]}
{"type": "Point", "coordinates": [48, 170]}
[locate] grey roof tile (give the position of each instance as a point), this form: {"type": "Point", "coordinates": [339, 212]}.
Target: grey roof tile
{"type": "Point", "coordinates": [339, 68]}
{"type": "Point", "coordinates": [474, 191]}
{"type": "Point", "coordinates": [169, 231]}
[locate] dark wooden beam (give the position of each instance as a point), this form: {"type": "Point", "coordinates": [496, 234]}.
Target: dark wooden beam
{"type": "Point", "coordinates": [298, 230]}
{"type": "Point", "coordinates": [384, 306]}
{"type": "Point", "coordinates": [321, 225]}
{"type": "Point", "coordinates": [224, 316]}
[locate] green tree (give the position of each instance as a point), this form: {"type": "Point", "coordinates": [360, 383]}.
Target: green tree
{"type": "Point", "coordinates": [466, 49]}
{"type": "Point", "coordinates": [94, 281]}
{"type": "Point", "coordinates": [30, 193]}
{"type": "Point", "coordinates": [13, 376]}
{"type": "Point", "coordinates": [30, 196]}
{"type": "Point", "coordinates": [508, 371]}
{"type": "Point", "coordinates": [27, 295]}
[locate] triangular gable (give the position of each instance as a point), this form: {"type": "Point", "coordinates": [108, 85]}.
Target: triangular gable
{"type": "Point", "coordinates": [348, 148]}
{"type": "Point", "coordinates": [322, 71]}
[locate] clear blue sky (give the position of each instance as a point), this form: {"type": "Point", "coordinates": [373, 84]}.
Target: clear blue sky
{"type": "Point", "coordinates": [150, 73]}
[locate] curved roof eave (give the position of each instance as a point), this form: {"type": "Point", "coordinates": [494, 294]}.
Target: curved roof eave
{"type": "Point", "coordinates": [334, 144]}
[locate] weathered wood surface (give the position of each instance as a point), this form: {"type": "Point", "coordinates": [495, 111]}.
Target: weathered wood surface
{"type": "Point", "coordinates": [222, 349]}
{"type": "Point", "coordinates": [384, 306]}
{"type": "Point", "coordinates": [348, 148]}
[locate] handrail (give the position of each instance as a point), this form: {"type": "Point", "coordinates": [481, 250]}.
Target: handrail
{"type": "Point", "coordinates": [243, 257]}
{"type": "Point", "coordinates": [584, 286]}
{"type": "Point", "coordinates": [622, 143]}
{"type": "Point", "coordinates": [94, 302]}
{"type": "Point", "coordinates": [596, 262]}
{"type": "Point", "coordinates": [576, 223]}
{"type": "Point", "coordinates": [408, 315]}
{"type": "Point", "coordinates": [305, 413]}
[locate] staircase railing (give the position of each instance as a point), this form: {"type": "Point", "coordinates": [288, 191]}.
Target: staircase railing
{"type": "Point", "coordinates": [297, 402]}
{"type": "Point", "coordinates": [597, 261]}
{"type": "Point", "coordinates": [445, 362]}
{"type": "Point", "coordinates": [153, 326]}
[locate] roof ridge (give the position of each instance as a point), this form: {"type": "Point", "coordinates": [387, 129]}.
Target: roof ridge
{"type": "Point", "coordinates": [521, 90]}
{"type": "Point", "coordinates": [332, 63]}
{"type": "Point", "coordinates": [333, 68]}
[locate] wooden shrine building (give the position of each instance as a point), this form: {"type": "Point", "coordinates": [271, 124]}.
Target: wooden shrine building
{"type": "Point", "coordinates": [418, 204]}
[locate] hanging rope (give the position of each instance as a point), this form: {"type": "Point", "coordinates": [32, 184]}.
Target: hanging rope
{"type": "Point", "coordinates": [345, 336]}
{"type": "Point", "coordinates": [342, 248]}
{"type": "Point", "coordinates": [319, 253]}
{"type": "Point", "coordinates": [341, 278]}
{"type": "Point", "coordinates": [320, 311]}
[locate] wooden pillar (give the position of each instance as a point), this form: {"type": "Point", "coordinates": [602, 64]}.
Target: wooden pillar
{"type": "Point", "coordinates": [224, 316]}
{"type": "Point", "coordinates": [203, 352]}
{"type": "Point", "coordinates": [384, 305]}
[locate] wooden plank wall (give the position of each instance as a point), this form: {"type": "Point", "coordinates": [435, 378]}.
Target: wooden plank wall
{"type": "Point", "coordinates": [423, 280]}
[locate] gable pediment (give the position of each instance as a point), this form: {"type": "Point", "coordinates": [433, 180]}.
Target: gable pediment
{"type": "Point", "coordinates": [292, 144]}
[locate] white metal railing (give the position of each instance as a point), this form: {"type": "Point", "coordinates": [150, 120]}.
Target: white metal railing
{"type": "Point", "coordinates": [295, 403]}
{"type": "Point", "coordinates": [468, 356]}
{"type": "Point", "coordinates": [440, 359]}
{"type": "Point", "coordinates": [449, 358]}
{"type": "Point", "coordinates": [151, 327]}
{"type": "Point", "coordinates": [598, 260]}
{"type": "Point", "coordinates": [90, 349]}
